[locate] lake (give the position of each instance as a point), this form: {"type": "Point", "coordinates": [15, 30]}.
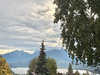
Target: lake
{"type": "Point", "coordinates": [22, 71]}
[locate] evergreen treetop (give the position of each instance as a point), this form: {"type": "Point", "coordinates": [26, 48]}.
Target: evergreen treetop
{"type": "Point", "coordinates": [41, 68]}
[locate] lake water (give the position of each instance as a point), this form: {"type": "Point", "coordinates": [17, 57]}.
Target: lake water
{"type": "Point", "coordinates": [22, 71]}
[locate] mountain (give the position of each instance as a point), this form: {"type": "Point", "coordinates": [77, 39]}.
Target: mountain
{"type": "Point", "coordinates": [17, 56]}
{"type": "Point", "coordinates": [22, 59]}
{"type": "Point", "coordinates": [4, 67]}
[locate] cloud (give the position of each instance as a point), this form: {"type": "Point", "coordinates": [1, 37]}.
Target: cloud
{"type": "Point", "coordinates": [25, 23]}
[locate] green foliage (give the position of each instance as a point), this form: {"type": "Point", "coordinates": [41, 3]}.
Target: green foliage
{"type": "Point", "coordinates": [4, 67]}
{"type": "Point", "coordinates": [32, 65]}
{"type": "Point", "coordinates": [52, 66]}
{"type": "Point", "coordinates": [80, 29]}
{"type": "Point", "coordinates": [70, 69]}
{"type": "Point", "coordinates": [77, 73]}
{"type": "Point", "coordinates": [41, 68]}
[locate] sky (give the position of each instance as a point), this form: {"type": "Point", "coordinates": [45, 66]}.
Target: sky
{"type": "Point", "coordinates": [25, 23]}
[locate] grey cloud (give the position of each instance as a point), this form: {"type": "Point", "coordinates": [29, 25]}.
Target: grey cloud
{"type": "Point", "coordinates": [23, 24]}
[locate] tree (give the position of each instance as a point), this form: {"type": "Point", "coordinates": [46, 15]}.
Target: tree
{"type": "Point", "coordinates": [32, 65]}
{"type": "Point", "coordinates": [80, 29]}
{"type": "Point", "coordinates": [77, 73]}
{"type": "Point", "coordinates": [52, 66]}
{"type": "Point", "coordinates": [4, 67]}
{"type": "Point", "coordinates": [70, 69]}
{"type": "Point", "coordinates": [41, 68]}
{"type": "Point", "coordinates": [1, 71]}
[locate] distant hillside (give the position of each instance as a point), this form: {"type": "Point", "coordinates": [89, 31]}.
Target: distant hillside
{"type": "Point", "coordinates": [21, 58]}
{"type": "Point", "coordinates": [4, 67]}
{"type": "Point", "coordinates": [17, 56]}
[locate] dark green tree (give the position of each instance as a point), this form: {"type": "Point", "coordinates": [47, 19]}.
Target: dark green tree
{"type": "Point", "coordinates": [80, 29]}
{"type": "Point", "coordinates": [32, 65]}
{"type": "Point", "coordinates": [52, 66]}
{"type": "Point", "coordinates": [70, 69]}
{"type": "Point", "coordinates": [41, 68]}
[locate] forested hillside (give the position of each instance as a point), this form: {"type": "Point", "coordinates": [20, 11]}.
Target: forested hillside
{"type": "Point", "coordinates": [4, 67]}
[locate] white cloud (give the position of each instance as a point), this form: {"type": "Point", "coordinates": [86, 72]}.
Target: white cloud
{"type": "Point", "coordinates": [25, 23]}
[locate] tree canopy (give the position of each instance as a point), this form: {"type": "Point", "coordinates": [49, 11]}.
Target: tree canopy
{"type": "Point", "coordinates": [80, 29]}
{"type": "Point", "coordinates": [52, 66]}
{"type": "Point", "coordinates": [4, 67]}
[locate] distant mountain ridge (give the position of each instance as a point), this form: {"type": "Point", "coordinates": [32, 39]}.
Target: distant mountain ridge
{"type": "Point", "coordinates": [21, 58]}
{"type": "Point", "coordinates": [17, 56]}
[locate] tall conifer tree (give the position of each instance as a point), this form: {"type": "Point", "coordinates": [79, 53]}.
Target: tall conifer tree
{"type": "Point", "coordinates": [41, 68]}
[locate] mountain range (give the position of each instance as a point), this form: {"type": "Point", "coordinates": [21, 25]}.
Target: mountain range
{"type": "Point", "coordinates": [22, 59]}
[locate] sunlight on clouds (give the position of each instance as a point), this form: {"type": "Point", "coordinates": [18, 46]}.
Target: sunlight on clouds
{"type": "Point", "coordinates": [50, 13]}
{"type": "Point", "coordinates": [5, 51]}
{"type": "Point", "coordinates": [9, 50]}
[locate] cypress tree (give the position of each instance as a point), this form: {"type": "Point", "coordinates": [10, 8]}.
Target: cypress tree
{"type": "Point", "coordinates": [70, 69]}
{"type": "Point", "coordinates": [41, 68]}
